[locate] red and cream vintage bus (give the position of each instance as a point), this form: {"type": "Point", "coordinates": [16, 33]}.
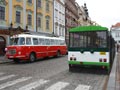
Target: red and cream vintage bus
{"type": "Point", "coordinates": [32, 47]}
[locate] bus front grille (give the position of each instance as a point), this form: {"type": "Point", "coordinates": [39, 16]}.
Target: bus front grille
{"type": "Point", "coordinates": [12, 52]}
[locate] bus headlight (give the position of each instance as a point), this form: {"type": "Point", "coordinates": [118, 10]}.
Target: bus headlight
{"type": "Point", "coordinates": [19, 53]}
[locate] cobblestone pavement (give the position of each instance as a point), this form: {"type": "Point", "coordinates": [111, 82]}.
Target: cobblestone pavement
{"type": "Point", "coordinates": [118, 73]}
{"type": "Point", "coordinates": [49, 74]}
{"type": "Point", "coordinates": [3, 59]}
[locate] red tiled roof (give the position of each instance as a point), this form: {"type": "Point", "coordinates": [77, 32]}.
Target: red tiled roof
{"type": "Point", "coordinates": [116, 25]}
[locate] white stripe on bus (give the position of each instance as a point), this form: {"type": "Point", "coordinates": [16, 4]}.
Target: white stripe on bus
{"type": "Point", "coordinates": [6, 77]}
{"type": "Point", "coordinates": [10, 83]}
{"type": "Point", "coordinates": [83, 87]}
{"type": "Point", "coordinates": [33, 85]}
{"type": "Point", "coordinates": [58, 86]}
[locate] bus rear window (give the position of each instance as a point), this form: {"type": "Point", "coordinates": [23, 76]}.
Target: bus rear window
{"type": "Point", "coordinates": [88, 39]}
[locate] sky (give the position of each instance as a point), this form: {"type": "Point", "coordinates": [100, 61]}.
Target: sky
{"type": "Point", "coordinates": [104, 12]}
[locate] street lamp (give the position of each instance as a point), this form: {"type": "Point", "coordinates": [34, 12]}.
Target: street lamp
{"type": "Point", "coordinates": [26, 28]}
{"type": "Point", "coordinates": [10, 28]}
{"type": "Point", "coordinates": [11, 25]}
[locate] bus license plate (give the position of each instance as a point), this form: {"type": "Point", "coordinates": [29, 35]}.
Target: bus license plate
{"type": "Point", "coordinates": [102, 53]}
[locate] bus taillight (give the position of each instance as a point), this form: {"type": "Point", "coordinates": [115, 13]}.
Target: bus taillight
{"type": "Point", "coordinates": [75, 58]}
{"type": "Point", "coordinates": [71, 58]}
{"type": "Point", "coordinates": [100, 60]}
{"type": "Point", "coordinates": [105, 60]}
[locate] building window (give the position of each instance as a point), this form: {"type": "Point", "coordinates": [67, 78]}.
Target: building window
{"type": "Point", "coordinates": [39, 22]}
{"type": "Point", "coordinates": [39, 3]}
{"type": "Point", "coordinates": [30, 1]}
{"type": "Point", "coordinates": [47, 5]}
{"type": "Point", "coordinates": [29, 19]}
{"type": "Point", "coordinates": [55, 29]}
{"type": "Point", "coordinates": [18, 16]}
{"type": "Point", "coordinates": [63, 31]}
{"type": "Point", "coordinates": [59, 30]}
{"type": "Point", "coordinates": [47, 24]}
{"type": "Point", "coordinates": [2, 13]}
{"type": "Point", "coordinates": [18, 0]}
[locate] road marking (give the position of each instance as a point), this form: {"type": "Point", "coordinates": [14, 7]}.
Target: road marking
{"type": "Point", "coordinates": [10, 83]}
{"type": "Point", "coordinates": [58, 86]}
{"type": "Point", "coordinates": [6, 77]}
{"type": "Point", "coordinates": [33, 85]}
{"type": "Point", "coordinates": [83, 87]}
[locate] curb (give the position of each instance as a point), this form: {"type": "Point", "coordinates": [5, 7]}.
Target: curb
{"type": "Point", "coordinates": [112, 78]}
{"type": "Point", "coordinates": [3, 59]}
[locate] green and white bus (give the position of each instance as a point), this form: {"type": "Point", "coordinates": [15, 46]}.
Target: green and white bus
{"type": "Point", "coordinates": [90, 46]}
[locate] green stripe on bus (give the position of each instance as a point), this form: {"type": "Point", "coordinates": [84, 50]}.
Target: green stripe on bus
{"type": "Point", "coordinates": [89, 63]}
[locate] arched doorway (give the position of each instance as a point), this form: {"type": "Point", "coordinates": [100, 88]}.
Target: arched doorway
{"type": "Point", "coordinates": [2, 45]}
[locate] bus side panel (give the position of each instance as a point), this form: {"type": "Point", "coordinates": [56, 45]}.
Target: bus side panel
{"type": "Point", "coordinates": [41, 51]}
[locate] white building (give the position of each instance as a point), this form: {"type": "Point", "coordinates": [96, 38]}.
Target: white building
{"type": "Point", "coordinates": [115, 31]}
{"type": "Point", "coordinates": [59, 18]}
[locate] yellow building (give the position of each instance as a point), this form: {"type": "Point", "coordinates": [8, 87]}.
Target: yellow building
{"type": "Point", "coordinates": [45, 16]}
{"type": "Point", "coordinates": [36, 15]}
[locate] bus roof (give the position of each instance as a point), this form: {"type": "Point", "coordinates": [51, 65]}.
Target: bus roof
{"type": "Point", "coordinates": [36, 36]}
{"type": "Point", "coordinates": [88, 28]}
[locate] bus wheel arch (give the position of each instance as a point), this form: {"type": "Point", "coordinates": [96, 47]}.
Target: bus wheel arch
{"type": "Point", "coordinates": [32, 57]}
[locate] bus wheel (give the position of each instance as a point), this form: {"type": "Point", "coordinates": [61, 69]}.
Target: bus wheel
{"type": "Point", "coordinates": [32, 57]}
{"type": "Point", "coordinates": [16, 60]}
{"type": "Point", "coordinates": [70, 67]}
{"type": "Point", "coordinates": [58, 53]}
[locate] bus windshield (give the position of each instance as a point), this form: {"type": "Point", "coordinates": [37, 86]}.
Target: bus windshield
{"type": "Point", "coordinates": [92, 39]}
{"type": "Point", "coordinates": [17, 41]}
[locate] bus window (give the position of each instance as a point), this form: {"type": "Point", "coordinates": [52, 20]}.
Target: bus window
{"type": "Point", "coordinates": [47, 42]}
{"type": "Point", "coordinates": [52, 42]}
{"type": "Point", "coordinates": [102, 39]}
{"type": "Point", "coordinates": [14, 41]}
{"type": "Point", "coordinates": [58, 42]}
{"type": "Point", "coordinates": [62, 42]}
{"type": "Point", "coordinates": [41, 41]}
{"type": "Point", "coordinates": [35, 41]}
{"type": "Point", "coordinates": [28, 41]}
{"type": "Point", "coordinates": [21, 41]}
{"type": "Point", "coordinates": [55, 42]}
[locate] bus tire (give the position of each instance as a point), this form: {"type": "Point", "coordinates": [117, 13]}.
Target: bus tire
{"type": "Point", "coordinates": [16, 60]}
{"type": "Point", "coordinates": [58, 54]}
{"type": "Point", "coordinates": [32, 57]}
{"type": "Point", "coordinates": [70, 67]}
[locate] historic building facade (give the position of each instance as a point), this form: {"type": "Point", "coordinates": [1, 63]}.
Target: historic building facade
{"type": "Point", "coordinates": [115, 31]}
{"type": "Point", "coordinates": [59, 18]}
{"type": "Point", "coordinates": [45, 16]}
{"type": "Point", "coordinates": [33, 15]}
{"type": "Point", "coordinates": [84, 19]}
{"type": "Point", "coordinates": [71, 17]}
